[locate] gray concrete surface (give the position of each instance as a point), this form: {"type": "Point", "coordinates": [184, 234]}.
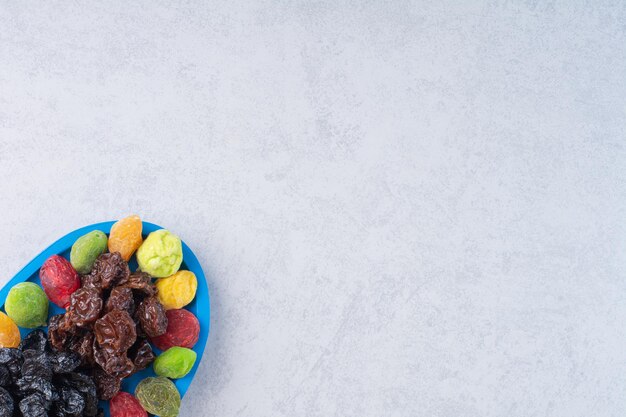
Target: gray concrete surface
{"type": "Point", "coordinates": [404, 208]}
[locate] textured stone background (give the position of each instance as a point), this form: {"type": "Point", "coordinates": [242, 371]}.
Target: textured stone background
{"type": "Point", "coordinates": [404, 208]}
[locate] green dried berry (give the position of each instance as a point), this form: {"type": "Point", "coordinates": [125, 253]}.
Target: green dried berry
{"type": "Point", "coordinates": [27, 305]}
{"type": "Point", "coordinates": [176, 362]}
{"type": "Point", "coordinates": [158, 396]}
{"type": "Point", "coordinates": [86, 249]}
{"type": "Point", "coordinates": [161, 254]}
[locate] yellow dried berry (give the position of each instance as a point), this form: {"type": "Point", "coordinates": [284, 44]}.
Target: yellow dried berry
{"type": "Point", "coordinates": [125, 236]}
{"type": "Point", "coordinates": [9, 333]}
{"type": "Point", "coordinates": [178, 290]}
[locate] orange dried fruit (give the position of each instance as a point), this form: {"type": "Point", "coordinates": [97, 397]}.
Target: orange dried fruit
{"type": "Point", "coordinates": [9, 333]}
{"type": "Point", "coordinates": [125, 236]}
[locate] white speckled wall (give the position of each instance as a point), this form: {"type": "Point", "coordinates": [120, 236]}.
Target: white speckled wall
{"type": "Point", "coordinates": [404, 208]}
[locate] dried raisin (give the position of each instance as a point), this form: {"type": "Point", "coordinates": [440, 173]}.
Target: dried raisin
{"type": "Point", "coordinates": [152, 317]}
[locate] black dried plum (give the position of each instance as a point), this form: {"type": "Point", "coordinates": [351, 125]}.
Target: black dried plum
{"type": "Point", "coordinates": [5, 376]}
{"type": "Point", "coordinates": [71, 403]}
{"type": "Point", "coordinates": [9, 355]}
{"type": "Point", "coordinates": [37, 364]}
{"type": "Point", "coordinates": [85, 307]}
{"type": "Point", "coordinates": [34, 405]}
{"type": "Point", "coordinates": [64, 362]}
{"type": "Point", "coordinates": [6, 403]}
{"type": "Point", "coordinates": [35, 340]}
{"type": "Point", "coordinates": [29, 384]}
{"type": "Point", "coordinates": [151, 314]}
{"type": "Point", "coordinates": [87, 388]}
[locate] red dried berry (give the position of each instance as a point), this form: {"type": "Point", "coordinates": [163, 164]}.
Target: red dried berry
{"type": "Point", "coordinates": [183, 330]}
{"type": "Point", "coordinates": [59, 280]}
{"type": "Point", "coordinates": [125, 405]}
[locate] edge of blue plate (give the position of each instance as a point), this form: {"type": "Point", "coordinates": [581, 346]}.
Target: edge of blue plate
{"type": "Point", "coordinates": [200, 305]}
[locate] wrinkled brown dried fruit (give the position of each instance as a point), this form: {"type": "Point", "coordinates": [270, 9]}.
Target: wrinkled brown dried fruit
{"type": "Point", "coordinates": [106, 385]}
{"type": "Point", "coordinates": [115, 331]}
{"type": "Point", "coordinates": [141, 355]}
{"type": "Point", "coordinates": [85, 307]}
{"type": "Point", "coordinates": [109, 270]}
{"type": "Point", "coordinates": [142, 283]}
{"type": "Point", "coordinates": [151, 314]}
{"type": "Point", "coordinates": [121, 298]}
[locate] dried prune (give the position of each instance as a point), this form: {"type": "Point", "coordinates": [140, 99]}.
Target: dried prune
{"type": "Point", "coordinates": [5, 376]}
{"type": "Point", "coordinates": [110, 269]}
{"type": "Point", "coordinates": [35, 340]}
{"type": "Point", "coordinates": [106, 385]}
{"type": "Point", "coordinates": [64, 362]}
{"type": "Point", "coordinates": [152, 317]}
{"type": "Point", "coordinates": [86, 249]}
{"type": "Point", "coordinates": [125, 405]}
{"type": "Point", "coordinates": [86, 387]}
{"type": "Point", "coordinates": [37, 364]}
{"type": "Point", "coordinates": [141, 354]}
{"type": "Point", "coordinates": [114, 363]}
{"type": "Point", "coordinates": [158, 396]}
{"type": "Point", "coordinates": [6, 403]}
{"type": "Point", "coordinates": [9, 332]}
{"type": "Point", "coordinates": [125, 236]}
{"type": "Point", "coordinates": [59, 331]}
{"type": "Point", "coordinates": [12, 359]}
{"type": "Point", "coordinates": [142, 283]}
{"type": "Point", "coordinates": [121, 298]}
{"type": "Point", "coordinates": [115, 331]}
{"type": "Point", "coordinates": [183, 330]}
{"type": "Point", "coordinates": [71, 403]}
{"type": "Point", "coordinates": [59, 280]}
{"type": "Point", "coordinates": [82, 344]}
{"type": "Point", "coordinates": [28, 384]}
{"type": "Point", "coordinates": [34, 405]}
{"type": "Point", "coordinates": [85, 307]}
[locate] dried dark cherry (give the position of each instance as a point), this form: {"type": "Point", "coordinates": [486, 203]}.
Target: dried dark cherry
{"type": "Point", "coordinates": [121, 298]}
{"type": "Point", "coordinates": [110, 269]}
{"type": "Point", "coordinates": [115, 331]}
{"type": "Point", "coordinates": [141, 355]}
{"type": "Point", "coordinates": [85, 307]}
{"type": "Point", "coordinates": [151, 315]}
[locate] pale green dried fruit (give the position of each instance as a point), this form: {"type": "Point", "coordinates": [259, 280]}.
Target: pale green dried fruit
{"type": "Point", "coordinates": [27, 305]}
{"type": "Point", "coordinates": [161, 254]}
{"type": "Point", "coordinates": [158, 396]}
{"type": "Point", "coordinates": [86, 250]}
{"type": "Point", "coordinates": [176, 362]}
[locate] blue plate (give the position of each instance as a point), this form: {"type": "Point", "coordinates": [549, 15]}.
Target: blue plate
{"type": "Point", "coordinates": [200, 305]}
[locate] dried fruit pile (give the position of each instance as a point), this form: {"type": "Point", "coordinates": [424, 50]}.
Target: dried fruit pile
{"type": "Point", "coordinates": [112, 316]}
{"type": "Point", "coordinates": [36, 380]}
{"type": "Point", "coordinates": [108, 320]}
